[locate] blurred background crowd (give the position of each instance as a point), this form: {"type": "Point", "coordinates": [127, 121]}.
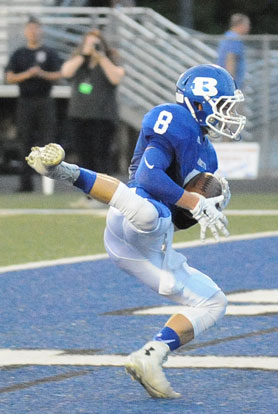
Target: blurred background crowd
{"type": "Point", "coordinates": [84, 73]}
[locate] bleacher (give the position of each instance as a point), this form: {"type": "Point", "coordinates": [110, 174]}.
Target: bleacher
{"type": "Point", "coordinates": [154, 52]}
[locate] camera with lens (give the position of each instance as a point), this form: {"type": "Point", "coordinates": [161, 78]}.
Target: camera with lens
{"type": "Point", "coordinates": [98, 47]}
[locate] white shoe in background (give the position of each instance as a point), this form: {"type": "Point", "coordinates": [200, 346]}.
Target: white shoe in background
{"type": "Point", "coordinates": [48, 185]}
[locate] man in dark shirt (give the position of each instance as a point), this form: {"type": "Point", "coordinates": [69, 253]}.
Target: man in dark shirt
{"type": "Point", "coordinates": [33, 67]}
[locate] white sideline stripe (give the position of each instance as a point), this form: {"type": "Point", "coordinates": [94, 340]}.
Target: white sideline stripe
{"type": "Point", "coordinates": [251, 212]}
{"type": "Point", "coordinates": [56, 262]}
{"type": "Point", "coordinates": [90, 258]}
{"type": "Point", "coordinates": [38, 211]}
{"type": "Point", "coordinates": [56, 357]}
{"type": "Point", "coordinates": [239, 237]}
{"type": "Point", "coordinates": [103, 212]}
{"type": "Point", "coordinates": [232, 310]}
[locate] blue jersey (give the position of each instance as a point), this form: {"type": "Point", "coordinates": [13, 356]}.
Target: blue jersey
{"type": "Point", "coordinates": [170, 150]}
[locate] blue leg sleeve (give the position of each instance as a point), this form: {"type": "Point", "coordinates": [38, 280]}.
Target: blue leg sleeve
{"type": "Point", "coordinates": [86, 180]}
{"type": "Point", "coordinates": [169, 337]}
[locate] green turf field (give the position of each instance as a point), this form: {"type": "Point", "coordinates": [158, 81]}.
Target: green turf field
{"type": "Point", "coordinates": [26, 238]}
{"type": "Point", "coordinates": [62, 200]}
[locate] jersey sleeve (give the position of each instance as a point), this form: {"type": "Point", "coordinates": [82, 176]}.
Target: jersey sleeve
{"type": "Point", "coordinates": [151, 175]}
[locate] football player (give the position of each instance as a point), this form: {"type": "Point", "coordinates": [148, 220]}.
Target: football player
{"type": "Point", "coordinates": [173, 146]}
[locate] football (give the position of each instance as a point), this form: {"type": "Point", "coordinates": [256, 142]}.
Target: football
{"type": "Point", "coordinates": [203, 183]}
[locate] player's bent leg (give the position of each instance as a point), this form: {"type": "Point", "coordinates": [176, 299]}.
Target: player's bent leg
{"type": "Point", "coordinates": [141, 255]}
{"type": "Point", "coordinates": [208, 313]}
{"type": "Point", "coordinates": [138, 210]}
{"type": "Point", "coordinates": [48, 161]}
{"type": "Point", "coordinates": [127, 257]}
{"type": "Point", "coordinates": [144, 365]}
{"type": "Point", "coordinates": [138, 253]}
{"type": "Point", "coordinates": [192, 321]}
{"type": "Point", "coordinates": [205, 305]}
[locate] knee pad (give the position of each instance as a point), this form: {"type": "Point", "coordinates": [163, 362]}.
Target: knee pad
{"type": "Point", "coordinates": [207, 314]}
{"type": "Point", "coordinates": [218, 300]}
{"type": "Point", "coordinates": [138, 210]}
{"type": "Point", "coordinates": [217, 305]}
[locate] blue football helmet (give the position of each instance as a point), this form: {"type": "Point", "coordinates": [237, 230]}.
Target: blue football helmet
{"type": "Point", "coordinates": [211, 95]}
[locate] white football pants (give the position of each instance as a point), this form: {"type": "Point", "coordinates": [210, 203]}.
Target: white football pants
{"type": "Point", "coordinates": [150, 257]}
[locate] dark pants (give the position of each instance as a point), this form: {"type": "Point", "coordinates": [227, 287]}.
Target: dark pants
{"type": "Point", "coordinates": [93, 142]}
{"type": "Point", "coordinates": [36, 125]}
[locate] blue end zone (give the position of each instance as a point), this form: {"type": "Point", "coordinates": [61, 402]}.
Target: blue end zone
{"type": "Point", "coordinates": [64, 307]}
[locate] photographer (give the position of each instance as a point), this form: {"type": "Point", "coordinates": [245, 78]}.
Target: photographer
{"type": "Point", "coordinates": [93, 111]}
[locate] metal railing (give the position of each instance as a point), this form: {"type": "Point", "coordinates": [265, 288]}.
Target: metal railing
{"type": "Point", "coordinates": [155, 51]}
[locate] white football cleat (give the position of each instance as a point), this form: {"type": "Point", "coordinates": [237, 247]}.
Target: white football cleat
{"type": "Point", "coordinates": [145, 366]}
{"type": "Point", "coordinates": [41, 159]}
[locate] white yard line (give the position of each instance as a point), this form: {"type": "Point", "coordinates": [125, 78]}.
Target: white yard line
{"type": "Point", "coordinates": [56, 357]}
{"type": "Point", "coordinates": [232, 310]}
{"type": "Point", "coordinates": [102, 212]}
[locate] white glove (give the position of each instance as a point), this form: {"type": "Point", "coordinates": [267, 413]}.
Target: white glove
{"type": "Point", "coordinates": [225, 192]}
{"type": "Point", "coordinates": [208, 216]}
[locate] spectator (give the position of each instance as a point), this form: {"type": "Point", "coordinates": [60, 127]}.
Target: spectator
{"type": "Point", "coordinates": [33, 67]}
{"type": "Point", "coordinates": [93, 111]}
{"type": "Point", "coordinates": [231, 54]}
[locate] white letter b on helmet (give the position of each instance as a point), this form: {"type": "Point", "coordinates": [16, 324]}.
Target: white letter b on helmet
{"type": "Point", "coordinates": [204, 86]}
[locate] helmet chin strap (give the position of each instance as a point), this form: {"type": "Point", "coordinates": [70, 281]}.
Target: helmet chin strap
{"type": "Point", "coordinates": [190, 107]}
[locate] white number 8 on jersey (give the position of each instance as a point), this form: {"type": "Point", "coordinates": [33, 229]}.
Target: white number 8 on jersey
{"type": "Point", "coordinates": [163, 121]}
